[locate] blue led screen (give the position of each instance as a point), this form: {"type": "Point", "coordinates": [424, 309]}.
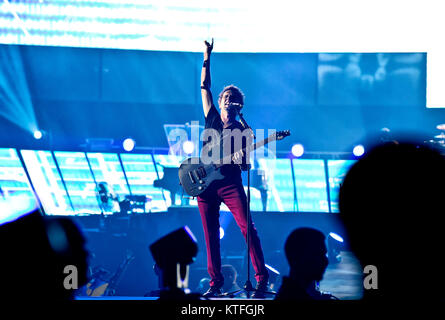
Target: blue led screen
{"type": "Point", "coordinates": [47, 182]}
{"type": "Point", "coordinates": [276, 176]}
{"type": "Point", "coordinates": [79, 181]}
{"type": "Point", "coordinates": [141, 173]}
{"type": "Point", "coordinates": [16, 195]}
{"type": "Point", "coordinates": [310, 182]}
{"type": "Point", "coordinates": [337, 170]}
{"type": "Point", "coordinates": [13, 179]}
{"type": "Point", "coordinates": [66, 183]}
{"type": "Point", "coordinates": [125, 24]}
{"type": "Point", "coordinates": [106, 168]}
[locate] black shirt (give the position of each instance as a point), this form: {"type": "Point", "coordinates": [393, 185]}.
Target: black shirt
{"type": "Point", "coordinates": [226, 146]}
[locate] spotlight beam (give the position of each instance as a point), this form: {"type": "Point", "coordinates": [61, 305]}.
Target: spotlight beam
{"type": "Point", "coordinates": [14, 91]}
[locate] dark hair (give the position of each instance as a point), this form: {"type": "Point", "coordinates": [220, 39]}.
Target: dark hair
{"type": "Point", "coordinates": [385, 191]}
{"type": "Point", "coordinates": [302, 241]}
{"type": "Point", "coordinates": [391, 205]}
{"type": "Point", "coordinates": [238, 95]}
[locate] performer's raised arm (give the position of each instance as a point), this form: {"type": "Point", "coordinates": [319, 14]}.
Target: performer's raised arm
{"type": "Point", "coordinates": [206, 94]}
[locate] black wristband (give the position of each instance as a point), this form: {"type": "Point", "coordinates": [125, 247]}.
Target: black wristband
{"type": "Point", "coordinates": [205, 63]}
{"type": "Point", "coordinates": [204, 87]}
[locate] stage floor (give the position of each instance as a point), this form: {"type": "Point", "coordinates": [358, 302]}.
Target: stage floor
{"type": "Point", "coordinates": [343, 280]}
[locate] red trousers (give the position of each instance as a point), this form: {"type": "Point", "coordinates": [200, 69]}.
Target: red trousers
{"type": "Point", "coordinates": [234, 197]}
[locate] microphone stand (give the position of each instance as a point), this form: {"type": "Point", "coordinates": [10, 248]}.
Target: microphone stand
{"type": "Point", "coordinates": [248, 288]}
{"type": "Point", "coordinates": [248, 285]}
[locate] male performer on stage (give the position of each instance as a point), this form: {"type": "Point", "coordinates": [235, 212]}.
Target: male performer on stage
{"type": "Point", "coordinates": [229, 190]}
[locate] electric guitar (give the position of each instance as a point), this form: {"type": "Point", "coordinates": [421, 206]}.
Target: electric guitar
{"type": "Point", "coordinates": [98, 287]}
{"type": "Point", "coordinates": [196, 176]}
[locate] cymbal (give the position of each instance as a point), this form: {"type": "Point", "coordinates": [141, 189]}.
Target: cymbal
{"type": "Point", "coordinates": [441, 127]}
{"type": "Point", "coordinates": [440, 136]}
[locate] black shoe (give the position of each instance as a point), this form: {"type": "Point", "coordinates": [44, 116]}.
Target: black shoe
{"type": "Point", "coordinates": [260, 290]}
{"type": "Point", "coordinates": [214, 291]}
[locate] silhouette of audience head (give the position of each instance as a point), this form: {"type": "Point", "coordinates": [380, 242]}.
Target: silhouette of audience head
{"type": "Point", "coordinates": [35, 251]}
{"type": "Point", "coordinates": [230, 275]}
{"type": "Point", "coordinates": [203, 285]}
{"type": "Point", "coordinates": [391, 204]}
{"type": "Point", "coordinates": [68, 244]}
{"type": "Point", "coordinates": [305, 250]}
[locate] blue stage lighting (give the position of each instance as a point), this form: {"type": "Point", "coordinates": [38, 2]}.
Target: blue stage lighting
{"type": "Point", "coordinates": [188, 147]}
{"type": "Point", "coordinates": [38, 134]}
{"type": "Point", "coordinates": [358, 150]}
{"type": "Point", "coordinates": [221, 233]}
{"type": "Point", "coordinates": [14, 208]}
{"type": "Point", "coordinates": [297, 150]}
{"type": "Point", "coordinates": [272, 269]}
{"type": "Point", "coordinates": [336, 236]}
{"type": "Point", "coordinates": [128, 144]}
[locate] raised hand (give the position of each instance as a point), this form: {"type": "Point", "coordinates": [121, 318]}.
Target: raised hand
{"type": "Point", "coordinates": [237, 156]}
{"type": "Point", "coordinates": [209, 48]}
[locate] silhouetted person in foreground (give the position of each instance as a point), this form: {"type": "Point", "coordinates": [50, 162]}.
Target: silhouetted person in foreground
{"type": "Point", "coordinates": [305, 250]}
{"type": "Point", "coordinates": [34, 253]}
{"type": "Point", "coordinates": [68, 244]}
{"type": "Point", "coordinates": [392, 206]}
{"type": "Point", "coordinates": [173, 253]}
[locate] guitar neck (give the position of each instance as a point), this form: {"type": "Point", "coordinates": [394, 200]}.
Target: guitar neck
{"type": "Point", "coordinates": [115, 278]}
{"type": "Point", "coordinates": [257, 145]}
{"type": "Point", "coordinates": [246, 150]}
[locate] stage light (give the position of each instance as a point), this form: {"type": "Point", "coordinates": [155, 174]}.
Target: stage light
{"type": "Point", "coordinates": [358, 150]}
{"type": "Point", "coordinates": [272, 269]}
{"type": "Point", "coordinates": [335, 244]}
{"type": "Point", "coordinates": [128, 144]}
{"type": "Point", "coordinates": [221, 233]}
{"type": "Point", "coordinates": [38, 134]}
{"type": "Point", "coordinates": [188, 147]}
{"type": "Point", "coordinates": [336, 236]}
{"type": "Point", "coordinates": [274, 278]}
{"type": "Point", "coordinates": [14, 207]}
{"type": "Point", "coordinates": [297, 150]}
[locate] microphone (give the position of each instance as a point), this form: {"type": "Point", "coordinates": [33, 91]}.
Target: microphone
{"type": "Point", "coordinates": [235, 104]}
{"type": "Point", "coordinates": [241, 118]}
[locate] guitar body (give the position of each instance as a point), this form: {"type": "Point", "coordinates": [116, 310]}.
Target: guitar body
{"type": "Point", "coordinates": [98, 287]}
{"type": "Point", "coordinates": [96, 290]}
{"type": "Point", "coordinates": [196, 177]}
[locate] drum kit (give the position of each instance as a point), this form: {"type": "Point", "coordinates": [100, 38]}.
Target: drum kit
{"type": "Point", "coordinates": [439, 140]}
